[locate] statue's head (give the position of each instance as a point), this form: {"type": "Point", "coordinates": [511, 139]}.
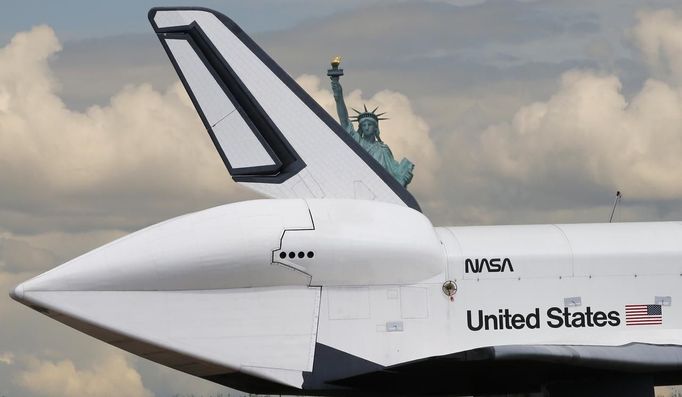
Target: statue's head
{"type": "Point", "coordinates": [368, 123]}
{"type": "Point", "coordinates": [369, 128]}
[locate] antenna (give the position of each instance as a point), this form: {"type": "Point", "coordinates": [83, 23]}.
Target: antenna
{"type": "Point", "coordinates": [615, 204]}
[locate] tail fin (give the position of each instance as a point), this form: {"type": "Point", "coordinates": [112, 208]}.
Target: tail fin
{"type": "Point", "coordinates": [271, 135]}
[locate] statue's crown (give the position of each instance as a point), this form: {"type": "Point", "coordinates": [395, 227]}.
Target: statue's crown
{"type": "Point", "coordinates": [367, 114]}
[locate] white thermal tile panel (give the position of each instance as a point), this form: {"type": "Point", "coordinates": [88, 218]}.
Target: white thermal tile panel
{"type": "Point", "coordinates": [255, 327]}
{"type": "Point", "coordinates": [211, 97]}
{"type": "Point", "coordinates": [414, 302]}
{"type": "Point", "coordinates": [166, 19]}
{"type": "Point", "coordinates": [348, 303]}
{"type": "Point", "coordinates": [239, 143]}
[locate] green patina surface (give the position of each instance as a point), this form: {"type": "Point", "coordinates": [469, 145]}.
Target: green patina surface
{"type": "Point", "coordinates": [367, 133]}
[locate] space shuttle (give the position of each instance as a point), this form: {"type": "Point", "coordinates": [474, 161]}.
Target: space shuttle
{"type": "Point", "coordinates": [338, 285]}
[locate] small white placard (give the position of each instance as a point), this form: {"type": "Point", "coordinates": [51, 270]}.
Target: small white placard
{"type": "Point", "coordinates": [664, 300]}
{"type": "Point", "coordinates": [573, 301]}
{"type": "Point", "coordinates": [394, 326]}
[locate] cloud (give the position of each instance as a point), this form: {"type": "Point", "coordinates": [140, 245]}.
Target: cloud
{"type": "Point", "coordinates": [37, 252]}
{"type": "Point", "coordinates": [7, 358]}
{"type": "Point", "coordinates": [563, 157]}
{"type": "Point", "coordinates": [461, 3]}
{"type": "Point", "coordinates": [139, 159]}
{"type": "Point", "coordinates": [409, 38]}
{"type": "Point", "coordinates": [588, 130]}
{"type": "Point", "coordinates": [110, 377]}
{"type": "Point", "coordinates": [20, 256]}
{"type": "Point", "coordinates": [667, 391]}
{"type": "Point", "coordinates": [407, 134]}
{"type": "Point", "coordinates": [658, 34]}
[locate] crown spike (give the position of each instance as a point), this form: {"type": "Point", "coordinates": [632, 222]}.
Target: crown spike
{"type": "Point", "coordinates": [356, 111]}
{"type": "Point", "coordinates": [375, 109]}
{"type": "Point", "coordinates": [365, 108]}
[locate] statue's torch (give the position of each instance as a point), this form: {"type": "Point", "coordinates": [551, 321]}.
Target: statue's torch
{"type": "Point", "coordinates": [335, 72]}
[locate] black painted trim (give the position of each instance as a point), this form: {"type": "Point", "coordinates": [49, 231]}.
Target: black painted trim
{"type": "Point", "coordinates": [267, 169]}
{"type": "Point", "coordinates": [391, 182]}
{"type": "Point", "coordinates": [252, 110]}
{"type": "Point", "coordinates": [331, 364]}
{"type": "Point", "coordinates": [473, 372]}
{"type": "Point", "coordinates": [198, 40]}
{"type": "Point", "coordinates": [489, 370]}
{"type": "Point", "coordinates": [286, 161]}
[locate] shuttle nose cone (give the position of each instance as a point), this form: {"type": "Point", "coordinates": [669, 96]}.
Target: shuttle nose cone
{"type": "Point", "coordinates": [17, 293]}
{"type": "Point", "coordinates": [198, 251]}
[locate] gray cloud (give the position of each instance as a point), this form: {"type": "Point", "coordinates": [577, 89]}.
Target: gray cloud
{"type": "Point", "coordinates": [562, 158]}
{"type": "Point", "coordinates": [20, 256]}
{"type": "Point", "coordinates": [131, 59]}
{"type": "Point", "coordinates": [657, 35]}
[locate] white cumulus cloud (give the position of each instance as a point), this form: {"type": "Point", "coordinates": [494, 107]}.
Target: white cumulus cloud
{"type": "Point", "coordinates": [589, 130]}
{"type": "Point", "coordinates": [145, 153]}
{"type": "Point", "coordinates": [658, 34]}
{"type": "Point", "coordinates": [7, 358]}
{"type": "Point", "coordinates": [588, 136]}
{"type": "Point", "coordinates": [110, 377]}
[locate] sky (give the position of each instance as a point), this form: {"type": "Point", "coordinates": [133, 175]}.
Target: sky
{"type": "Point", "coordinates": [514, 112]}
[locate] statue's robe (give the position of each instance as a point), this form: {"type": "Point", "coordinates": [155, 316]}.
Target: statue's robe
{"type": "Point", "coordinates": [402, 171]}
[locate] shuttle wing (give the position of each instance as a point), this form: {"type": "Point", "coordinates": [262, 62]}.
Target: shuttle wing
{"type": "Point", "coordinates": [510, 368]}
{"type": "Point", "coordinates": [272, 136]}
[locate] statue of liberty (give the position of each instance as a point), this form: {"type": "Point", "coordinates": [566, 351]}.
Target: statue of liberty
{"type": "Point", "coordinates": [367, 134]}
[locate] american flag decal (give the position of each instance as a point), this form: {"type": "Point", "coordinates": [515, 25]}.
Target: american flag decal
{"type": "Point", "coordinates": [643, 315]}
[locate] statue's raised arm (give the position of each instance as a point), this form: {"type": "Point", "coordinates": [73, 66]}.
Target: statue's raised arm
{"type": "Point", "coordinates": [334, 74]}
{"type": "Point", "coordinates": [341, 109]}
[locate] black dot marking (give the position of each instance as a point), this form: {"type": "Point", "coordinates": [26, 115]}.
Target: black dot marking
{"type": "Point", "coordinates": [292, 255]}
{"type": "Point", "coordinates": [282, 255]}
{"type": "Point", "coordinates": [301, 254]}
{"type": "Point", "coordinates": [310, 254]}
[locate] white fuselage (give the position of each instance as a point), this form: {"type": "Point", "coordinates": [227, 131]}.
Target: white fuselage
{"type": "Point", "coordinates": [253, 286]}
{"type": "Point", "coordinates": [522, 285]}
